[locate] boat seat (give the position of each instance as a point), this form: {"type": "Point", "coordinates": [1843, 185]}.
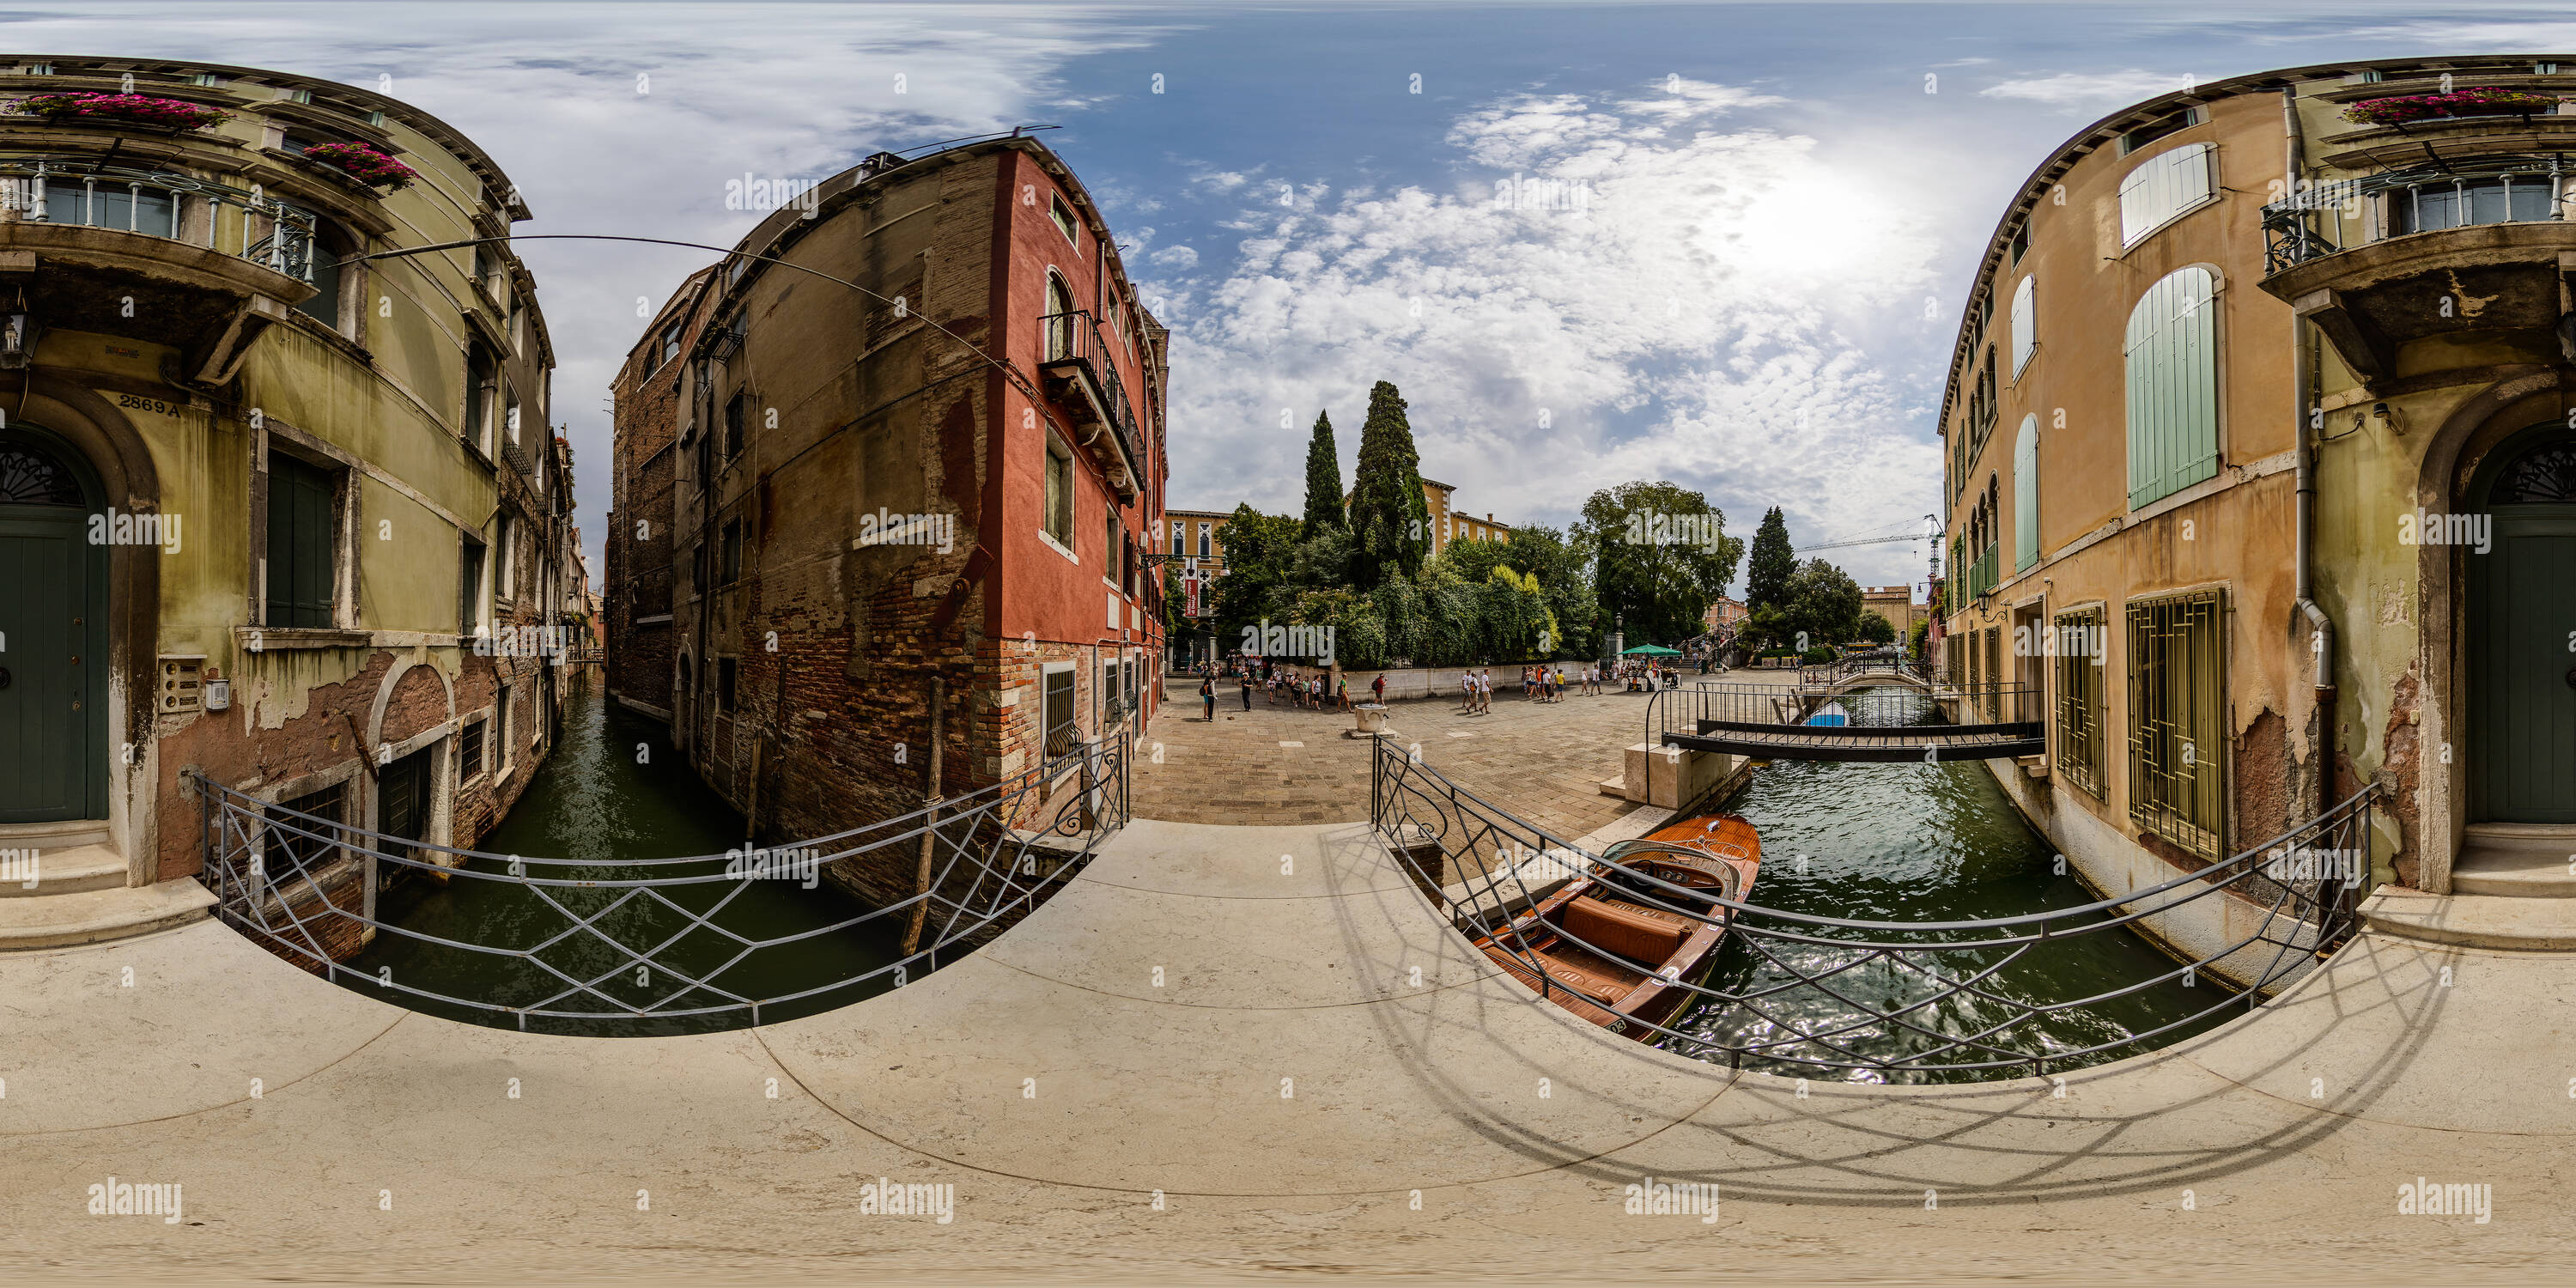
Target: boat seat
{"type": "Point", "coordinates": [1647, 935]}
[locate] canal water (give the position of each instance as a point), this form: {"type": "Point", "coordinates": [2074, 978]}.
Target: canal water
{"type": "Point", "coordinates": [613, 792]}
{"type": "Point", "coordinates": [1926, 843]}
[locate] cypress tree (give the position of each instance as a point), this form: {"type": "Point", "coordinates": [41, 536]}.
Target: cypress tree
{"type": "Point", "coordinates": [1390, 522]}
{"type": "Point", "coordinates": [1323, 479]}
{"type": "Point", "coordinates": [1772, 563]}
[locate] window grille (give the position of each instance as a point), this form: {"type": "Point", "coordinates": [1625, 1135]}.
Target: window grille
{"type": "Point", "coordinates": [2177, 682]}
{"type": "Point", "coordinates": [2080, 664]}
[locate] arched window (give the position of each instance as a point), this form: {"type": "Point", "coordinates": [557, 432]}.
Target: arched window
{"type": "Point", "coordinates": [1059, 321]}
{"type": "Point", "coordinates": [31, 475]}
{"type": "Point", "coordinates": [2545, 475]}
{"type": "Point", "coordinates": [2026, 493]}
{"type": "Point", "coordinates": [2172, 371]}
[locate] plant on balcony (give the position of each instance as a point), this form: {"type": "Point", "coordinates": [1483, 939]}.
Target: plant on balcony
{"type": "Point", "coordinates": [2487, 101]}
{"type": "Point", "coordinates": [364, 163]}
{"type": "Point", "coordinates": [138, 108]}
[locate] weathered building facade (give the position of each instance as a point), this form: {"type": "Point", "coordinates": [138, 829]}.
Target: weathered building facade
{"type": "Point", "coordinates": [917, 442]}
{"type": "Point", "coordinates": [323, 509]}
{"type": "Point", "coordinates": [2261, 469]}
{"type": "Point", "coordinates": [640, 656]}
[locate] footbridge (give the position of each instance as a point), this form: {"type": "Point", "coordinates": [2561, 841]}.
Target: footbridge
{"type": "Point", "coordinates": [1228, 1051]}
{"type": "Point", "coordinates": [1862, 715]}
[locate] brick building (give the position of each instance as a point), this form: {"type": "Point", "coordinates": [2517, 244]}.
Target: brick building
{"type": "Point", "coordinates": [1896, 604]}
{"type": "Point", "coordinates": [640, 656]}
{"type": "Point", "coordinates": [345, 464]}
{"type": "Point", "coordinates": [920, 503]}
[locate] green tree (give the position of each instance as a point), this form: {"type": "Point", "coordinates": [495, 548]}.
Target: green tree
{"type": "Point", "coordinates": [1542, 552]}
{"type": "Point", "coordinates": [1875, 628]}
{"type": "Point", "coordinates": [1915, 639]}
{"type": "Point", "coordinates": [1824, 602]}
{"type": "Point", "coordinates": [1258, 585]}
{"type": "Point", "coordinates": [1660, 556]}
{"type": "Point", "coordinates": [1390, 523]}
{"type": "Point", "coordinates": [1471, 560]}
{"type": "Point", "coordinates": [1323, 480]}
{"type": "Point", "coordinates": [1767, 572]}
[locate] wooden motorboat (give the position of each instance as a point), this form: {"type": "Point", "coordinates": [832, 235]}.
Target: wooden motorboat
{"type": "Point", "coordinates": [1611, 947]}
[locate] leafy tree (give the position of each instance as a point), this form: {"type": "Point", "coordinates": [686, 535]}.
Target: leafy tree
{"type": "Point", "coordinates": [1875, 628]}
{"type": "Point", "coordinates": [1543, 553]}
{"type": "Point", "coordinates": [1659, 557]}
{"type": "Point", "coordinates": [1766, 574]}
{"type": "Point", "coordinates": [1260, 553]}
{"type": "Point", "coordinates": [1471, 560]}
{"type": "Point", "coordinates": [1824, 602]}
{"type": "Point", "coordinates": [1916, 638]}
{"type": "Point", "coordinates": [1323, 480]}
{"type": "Point", "coordinates": [1390, 522]}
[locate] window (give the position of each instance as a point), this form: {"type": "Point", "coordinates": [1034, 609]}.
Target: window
{"type": "Point", "coordinates": [1110, 536]}
{"type": "Point", "coordinates": [505, 584]}
{"type": "Point", "coordinates": [2456, 203]}
{"type": "Point", "coordinates": [2026, 493]}
{"type": "Point", "coordinates": [2176, 690]}
{"type": "Point", "coordinates": [2159, 128]}
{"type": "Point", "coordinates": [301, 538]}
{"type": "Point", "coordinates": [478, 399]}
{"type": "Point", "coordinates": [324, 307]}
{"type": "Point", "coordinates": [469, 587]}
{"type": "Point", "coordinates": [729, 561]}
{"type": "Point", "coordinates": [1062, 214]}
{"type": "Point", "coordinates": [106, 203]}
{"type": "Point", "coordinates": [510, 418]}
{"type": "Point", "coordinates": [669, 348]}
{"type": "Point", "coordinates": [1179, 537]}
{"type": "Point", "coordinates": [307, 845]}
{"type": "Point", "coordinates": [1205, 532]}
{"type": "Point", "coordinates": [1059, 321]}
{"type": "Point", "coordinates": [2172, 371]}
{"type": "Point", "coordinates": [2162, 189]}
{"type": "Point", "coordinates": [469, 750]}
{"type": "Point", "coordinates": [1056, 709]}
{"type": "Point", "coordinates": [733, 414]}
{"type": "Point", "coordinates": [2081, 662]}
{"type": "Point", "coordinates": [2025, 324]}
{"type": "Point", "coordinates": [728, 670]}
{"type": "Point", "coordinates": [1059, 492]}
{"type": "Point", "coordinates": [2020, 244]}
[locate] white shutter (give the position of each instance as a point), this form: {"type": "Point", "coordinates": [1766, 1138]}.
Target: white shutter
{"type": "Point", "coordinates": [2025, 326]}
{"type": "Point", "coordinates": [2172, 373]}
{"type": "Point", "coordinates": [2162, 187]}
{"type": "Point", "coordinates": [2026, 493]}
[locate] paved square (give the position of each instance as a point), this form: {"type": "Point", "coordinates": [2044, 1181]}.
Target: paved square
{"type": "Point", "coordinates": [1542, 761]}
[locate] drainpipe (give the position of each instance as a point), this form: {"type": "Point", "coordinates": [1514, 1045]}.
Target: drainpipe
{"type": "Point", "coordinates": [2321, 627]}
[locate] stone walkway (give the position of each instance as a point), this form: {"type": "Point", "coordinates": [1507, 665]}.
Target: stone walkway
{"type": "Point", "coordinates": [1543, 762]}
{"type": "Point", "coordinates": [1249, 1052]}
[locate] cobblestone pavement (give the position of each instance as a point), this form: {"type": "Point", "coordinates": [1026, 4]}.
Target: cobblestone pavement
{"type": "Point", "coordinates": [1541, 761]}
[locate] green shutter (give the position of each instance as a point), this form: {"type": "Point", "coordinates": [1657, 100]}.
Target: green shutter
{"type": "Point", "coordinates": [2026, 494]}
{"type": "Point", "coordinates": [299, 544]}
{"type": "Point", "coordinates": [2172, 373]}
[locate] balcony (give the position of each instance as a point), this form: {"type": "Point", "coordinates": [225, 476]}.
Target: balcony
{"type": "Point", "coordinates": [153, 255]}
{"type": "Point", "coordinates": [1981, 574]}
{"type": "Point", "coordinates": [1084, 382]}
{"type": "Point", "coordinates": [2468, 247]}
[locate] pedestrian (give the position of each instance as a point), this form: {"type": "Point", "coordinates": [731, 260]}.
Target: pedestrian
{"type": "Point", "coordinates": [1247, 688]}
{"type": "Point", "coordinates": [1207, 698]}
{"type": "Point", "coordinates": [1467, 691]}
{"type": "Point", "coordinates": [1377, 688]}
{"type": "Point", "coordinates": [1344, 684]}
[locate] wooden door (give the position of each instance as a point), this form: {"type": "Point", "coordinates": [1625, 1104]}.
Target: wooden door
{"type": "Point", "coordinates": [2522, 669]}
{"type": "Point", "coordinates": [53, 642]}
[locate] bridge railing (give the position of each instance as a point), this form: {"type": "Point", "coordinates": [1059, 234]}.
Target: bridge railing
{"type": "Point", "coordinates": [1681, 711]}
{"type": "Point", "coordinates": [1801, 994]}
{"type": "Point", "coordinates": [631, 946]}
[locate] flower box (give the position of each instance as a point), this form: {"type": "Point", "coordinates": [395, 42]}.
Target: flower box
{"type": "Point", "coordinates": [137, 109]}
{"type": "Point", "coordinates": [2489, 101]}
{"type": "Point", "coordinates": [363, 163]}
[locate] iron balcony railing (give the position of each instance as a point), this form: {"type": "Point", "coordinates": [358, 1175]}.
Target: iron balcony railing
{"type": "Point", "coordinates": [1073, 343]}
{"type": "Point", "coordinates": [1801, 994]}
{"type": "Point", "coordinates": [1982, 573]}
{"type": "Point", "coordinates": [613, 948]}
{"type": "Point", "coordinates": [240, 222]}
{"type": "Point", "coordinates": [2490, 189]}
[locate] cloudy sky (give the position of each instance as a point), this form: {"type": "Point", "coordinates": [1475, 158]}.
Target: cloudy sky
{"type": "Point", "coordinates": [1724, 245]}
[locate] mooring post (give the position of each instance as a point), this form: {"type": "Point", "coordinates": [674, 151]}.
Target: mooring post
{"type": "Point", "coordinates": [929, 823]}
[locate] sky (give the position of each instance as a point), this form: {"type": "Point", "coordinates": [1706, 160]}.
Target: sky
{"type": "Point", "coordinates": [1722, 245]}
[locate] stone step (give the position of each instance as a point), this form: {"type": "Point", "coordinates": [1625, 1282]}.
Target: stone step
{"type": "Point", "coordinates": [95, 916]}
{"type": "Point", "coordinates": [2517, 860]}
{"type": "Point", "coordinates": [67, 835]}
{"type": "Point", "coordinates": [2472, 920]}
{"type": "Point", "coordinates": [64, 871]}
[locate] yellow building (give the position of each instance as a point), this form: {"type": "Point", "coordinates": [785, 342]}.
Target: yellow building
{"type": "Point", "coordinates": [310, 481]}
{"type": "Point", "coordinates": [2261, 475]}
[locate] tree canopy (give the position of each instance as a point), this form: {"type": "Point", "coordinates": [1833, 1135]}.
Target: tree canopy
{"type": "Point", "coordinates": [1390, 523]}
{"type": "Point", "coordinates": [1323, 479]}
{"type": "Point", "coordinates": [1659, 557]}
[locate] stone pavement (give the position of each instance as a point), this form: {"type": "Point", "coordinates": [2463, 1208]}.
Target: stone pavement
{"type": "Point", "coordinates": [1211, 1057]}
{"type": "Point", "coordinates": [1543, 762]}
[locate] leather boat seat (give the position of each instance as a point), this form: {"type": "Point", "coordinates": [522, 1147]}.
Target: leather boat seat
{"type": "Point", "coordinates": [1646, 935]}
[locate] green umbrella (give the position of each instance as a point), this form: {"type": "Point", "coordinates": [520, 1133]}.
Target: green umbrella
{"type": "Point", "coordinates": [1652, 650]}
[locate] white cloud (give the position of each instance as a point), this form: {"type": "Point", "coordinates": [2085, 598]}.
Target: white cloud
{"type": "Point", "coordinates": [1176, 258]}
{"type": "Point", "coordinates": [2103, 90]}
{"type": "Point", "coordinates": [1609, 291]}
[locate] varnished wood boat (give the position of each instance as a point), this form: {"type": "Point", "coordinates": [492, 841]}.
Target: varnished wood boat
{"type": "Point", "coordinates": [1609, 947]}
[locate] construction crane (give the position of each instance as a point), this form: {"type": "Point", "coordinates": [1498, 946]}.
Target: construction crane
{"type": "Point", "coordinates": [1931, 525]}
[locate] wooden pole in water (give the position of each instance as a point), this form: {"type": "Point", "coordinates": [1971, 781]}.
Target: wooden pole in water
{"type": "Point", "coordinates": [930, 819]}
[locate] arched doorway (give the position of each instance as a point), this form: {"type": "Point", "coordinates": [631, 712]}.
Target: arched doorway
{"type": "Point", "coordinates": [53, 633]}
{"type": "Point", "coordinates": [2522, 673]}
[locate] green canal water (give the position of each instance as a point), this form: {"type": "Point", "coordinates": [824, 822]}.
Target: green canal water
{"type": "Point", "coordinates": [597, 801]}
{"type": "Point", "coordinates": [1925, 843]}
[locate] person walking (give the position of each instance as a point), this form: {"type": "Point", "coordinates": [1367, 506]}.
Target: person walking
{"type": "Point", "coordinates": [1247, 688]}
{"type": "Point", "coordinates": [1207, 698]}
{"type": "Point", "coordinates": [1377, 688]}
{"type": "Point", "coordinates": [1345, 691]}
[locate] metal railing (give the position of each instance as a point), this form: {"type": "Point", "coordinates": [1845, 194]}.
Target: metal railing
{"type": "Point", "coordinates": [601, 947]}
{"type": "Point", "coordinates": [1700, 707]}
{"type": "Point", "coordinates": [261, 228]}
{"type": "Point", "coordinates": [1075, 338]}
{"type": "Point", "coordinates": [1882, 661]}
{"type": "Point", "coordinates": [1799, 993]}
{"type": "Point", "coordinates": [2291, 238]}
